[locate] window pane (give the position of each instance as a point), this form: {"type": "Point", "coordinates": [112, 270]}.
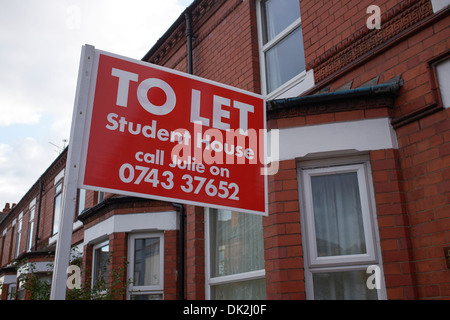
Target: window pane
{"type": "Point", "coordinates": [101, 257]}
{"type": "Point", "coordinates": [147, 297]}
{"type": "Point", "coordinates": [19, 236]}
{"type": "Point", "coordinates": [146, 262]}
{"type": "Point", "coordinates": [58, 187]}
{"type": "Point", "coordinates": [57, 214]}
{"type": "Point", "coordinates": [278, 15]}
{"type": "Point", "coordinates": [236, 243]}
{"type": "Point", "coordinates": [348, 285]}
{"type": "Point", "coordinates": [30, 235]}
{"type": "Point", "coordinates": [338, 215]}
{"type": "Point", "coordinates": [244, 290]}
{"type": "Point", "coordinates": [81, 200]}
{"type": "Point", "coordinates": [285, 60]}
{"type": "Point", "coordinates": [32, 211]}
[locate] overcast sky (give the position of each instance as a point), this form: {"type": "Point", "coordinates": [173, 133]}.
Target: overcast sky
{"type": "Point", "coordinates": [40, 46]}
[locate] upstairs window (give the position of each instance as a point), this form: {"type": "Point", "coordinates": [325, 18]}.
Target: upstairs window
{"type": "Point", "coordinates": [281, 43]}
{"type": "Point", "coordinates": [81, 200]}
{"type": "Point", "coordinates": [57, 206]}
{"type": "Point", "coordinates": [19, 235]}
{"type": "Point", "coordinates": [31, 225]}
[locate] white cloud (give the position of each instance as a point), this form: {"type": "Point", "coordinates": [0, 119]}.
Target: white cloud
{"type": "Point", "coordinates": [40, 46]}
{"type": "Point", "coordinates": [21, 164]}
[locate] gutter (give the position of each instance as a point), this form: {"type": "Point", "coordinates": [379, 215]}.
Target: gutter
{"type": "Point", "coordinates": [173, 27]}
{"type": "Point", "coordinates": [188, 18]}
{"type": "Point", "coordinates": [180, 208]}
{"type": "Point", "coordinates": [389, 89]}
{"type": "Point", "coordinates": [105, 204]}
{"type": "Point", "coordinates": [38, 215]}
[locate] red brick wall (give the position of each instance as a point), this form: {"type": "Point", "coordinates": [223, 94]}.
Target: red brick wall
{"type": "Point", "coordinates": [393, 224]}
{"type": "Point", "coordinates": [425, 158]}
{"type": "Point", "coordinates": [224, 50]}
{"type": "Point", "coordinates": [171, 265]}
{"type": "Point", "coordinates": [283, 251]}
{"type": "Point", "coordinates": [5, 289]}
{"type": "Point", "coordinates": [86, 279]}
{"type": "Point", "coordinates": [225, 47]}
{"type": "Point", "coordinates": [326, 23]}
{"type": "Point", "coordinates": [411, 185]}
{"type": "Point", "coordinates": [7, 247]}
{"type": "Point", "coordinates": [118, 248]}
{"type": "Point", "coordinates": [195, 253]}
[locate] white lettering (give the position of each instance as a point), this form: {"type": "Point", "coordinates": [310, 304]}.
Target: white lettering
{"type": "Point", "coordinates": [152, 129]}
{"type": "Point", "coordinates": [244, 109]}
{"type": "Point", "coordinates": [114, 124]}
{"type": "Point", "coordinates": [124, 85]}
{"type": "Point", "coordinates": [142, 95]}
{"type": "Point", "coordinates": [219, 113]}
{"type": "Point", "coordinates": [195, 109]}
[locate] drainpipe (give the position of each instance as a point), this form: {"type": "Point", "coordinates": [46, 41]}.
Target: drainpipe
{"type": "Point", "coordinates": [187, 16]}
{"type": "Point", "coordinates": [180, 208]}
{"type": "Point", "coordinates": [38, 215]}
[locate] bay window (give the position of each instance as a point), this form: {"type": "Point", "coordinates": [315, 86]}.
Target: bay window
{"type": "Point", "coordinates": [146, 269]}
{"type": "Point", "coordinates": [100, 264]}
{"type": "Point", "coordinates": [338, 230]}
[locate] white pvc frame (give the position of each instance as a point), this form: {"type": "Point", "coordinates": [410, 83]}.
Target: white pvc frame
{"type": "Point", "coordinates": [314, 264]}
{"type": "Point", "coordinates": [137, 290]}
{"type": "Point", "coordinates": [293, 87]}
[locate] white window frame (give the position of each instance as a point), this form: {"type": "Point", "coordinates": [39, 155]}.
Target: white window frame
{"type": "Point", "coordinates": [101, 196]}
{"type": "Point", "coordinates": [94, 249]}
{"type": "Point", "coordinates": [31, 224]}
{"type": "Point", "coordinates": [238, 277]}
{"type": "Point", "coordinates": [145, 290]}
{"type": "Point", "coordinates": [81, 201]}
{"type": "Point", "coordinates": [365, 207]}
{"type": "Point", "coordinates": [59, 177]}
{"type": "Point", "coordinates": [55, 196]}
{"type": "Point", "coordinates": [443, 78]}
{"type": "Point", "coordinates": [19, 235]}
{"type": "Point", "coordinates": [314, 264]}
{"type": "Point", "coordinates": [293, 87]}
{"type": "Point", "coordinates": [12, 290]}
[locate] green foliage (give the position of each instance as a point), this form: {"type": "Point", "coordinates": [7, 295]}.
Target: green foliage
{"type": "Point", "coordinates": [105, 288]}
{"type": "Point", "coordinates": [38, 284]}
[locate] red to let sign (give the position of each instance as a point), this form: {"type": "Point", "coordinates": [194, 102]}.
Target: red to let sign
{"type": "Point", "coordinates": [157, 133]}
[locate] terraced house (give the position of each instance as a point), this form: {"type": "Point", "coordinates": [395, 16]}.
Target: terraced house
{"type": "Point", "coordinates": [358, 93]}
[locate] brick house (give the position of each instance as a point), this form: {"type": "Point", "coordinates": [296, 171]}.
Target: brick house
{"type": "Point", "coordinates": [362, 185]}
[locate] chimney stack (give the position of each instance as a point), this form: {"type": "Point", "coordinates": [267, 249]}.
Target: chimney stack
{"type": "Point", "coordinates": [6, 209]}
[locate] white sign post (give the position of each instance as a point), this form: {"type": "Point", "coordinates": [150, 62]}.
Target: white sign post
{"type": "Point", "coordinates": [62, 256]}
